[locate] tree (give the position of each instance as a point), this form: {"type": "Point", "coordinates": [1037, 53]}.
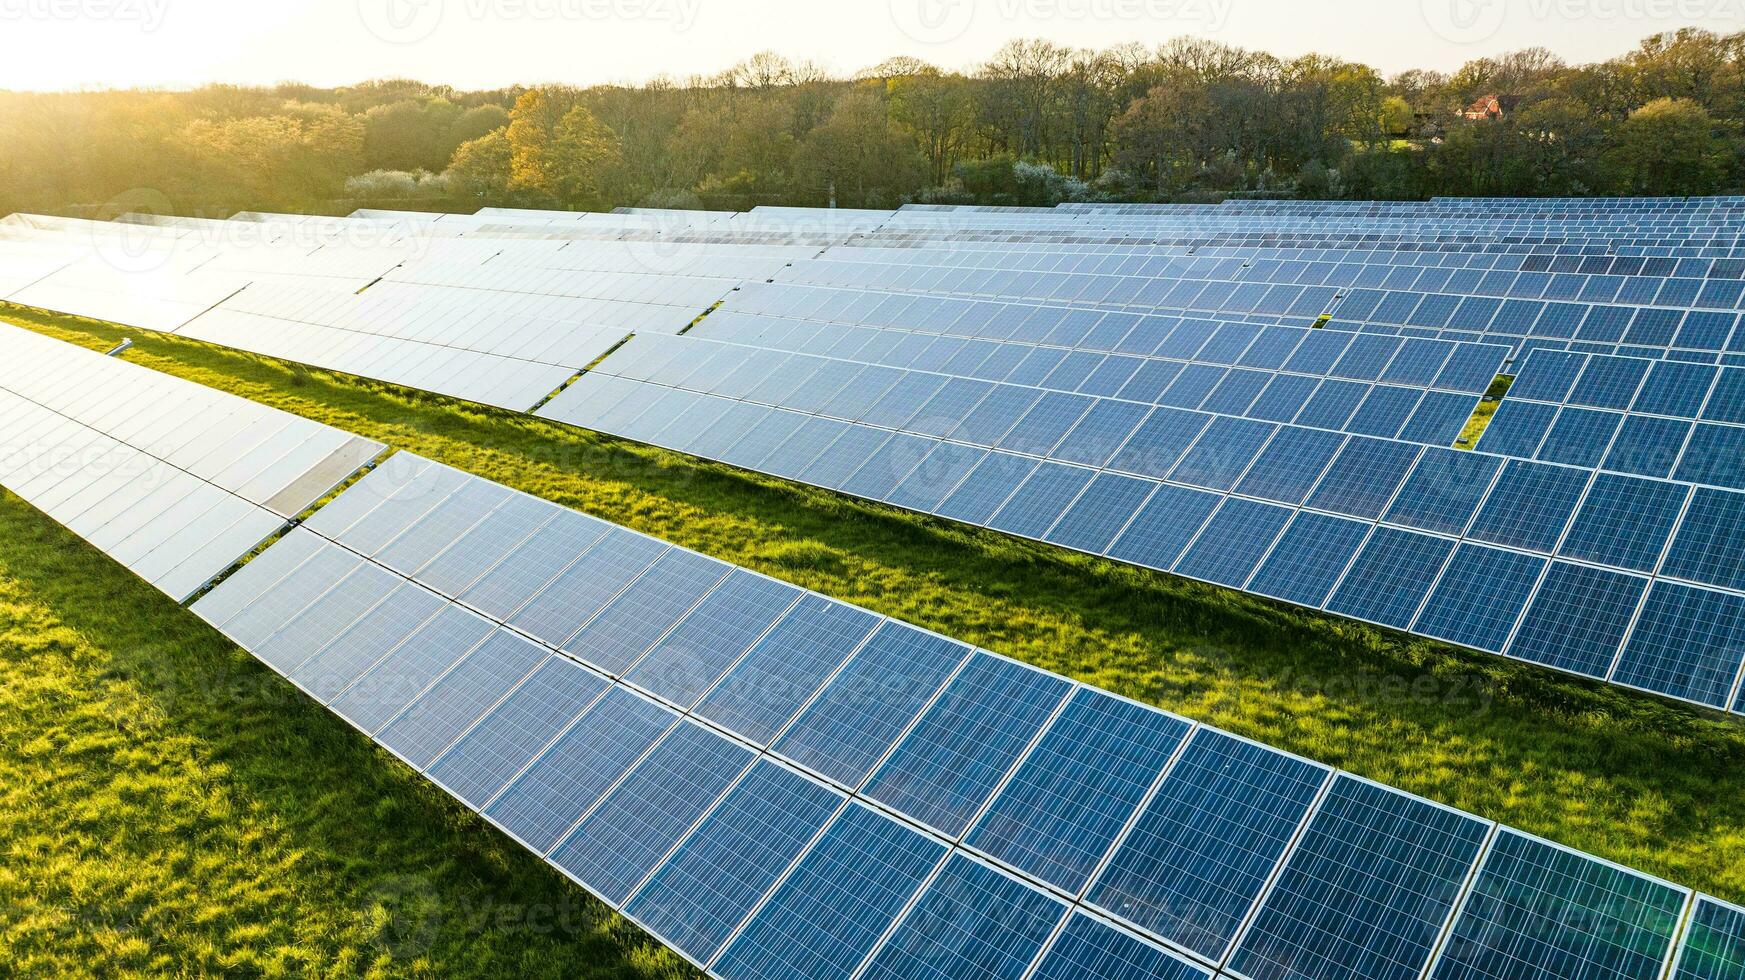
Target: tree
{"type": "Point", "coordinates": [481, 167]}
{"type": "Point", "coordinates": [559, 149]}
{"type": "Point", "coordinates": [858, 157]}
{"type": "Point", "coordinates": [1669, 146]}
{"type": "Point", "coordinates": [939, 111]}
{"type": "Point", "coordinates": [411, 134]}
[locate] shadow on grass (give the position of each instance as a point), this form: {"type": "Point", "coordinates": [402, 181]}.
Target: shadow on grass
{"type": "Point", "coordinates": [1642, 781]}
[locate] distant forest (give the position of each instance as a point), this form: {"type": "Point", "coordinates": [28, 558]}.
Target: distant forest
{"type": "Point", "coordinates": [1038, 123]}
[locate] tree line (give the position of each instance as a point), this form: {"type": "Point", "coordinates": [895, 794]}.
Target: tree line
{"type": "Point", "coordinates": [1038, 123]}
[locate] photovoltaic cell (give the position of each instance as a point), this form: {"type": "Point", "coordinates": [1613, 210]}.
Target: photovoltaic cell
{"type": "Point", "coordinates": [1206, 843]}
{"type": "Point", "coordinates": [1579, 618]}
{"type": "Point", "coordinates": [1444, 491]}
{"type": "Point", "coordinates": [1625, 522]}
{"type": "Point", "coordinates": [1100, 512]}
{"type": "Point", "coordinates": [1390, 577]}
{"type": "Point", "coordinates": [1365, 892]}
{"type": "Point", "coordinates": [972, 921]}
{"type": "Point", "coordinates": [1234, 542]}
{"type": "Point", "coordinates": [1710, 544]}
{"type": "Point", "coordinates": [1309, 559]}
{"type": "Point", "coordinates": [949, 765]}
{"type": "Point", "coordinates": [1164, 526]}
{"type": "Point", "coordinates": [1480, 597]}
{"type": "Point", "coordinates": [1072, 795]}
{"type": "Point", "coordinates": [1530, 506]}
{"type": "Point", "coordinates": [687, 661]}
{"type": "Point", "coordinates": [824, 919]}
{"type": "Point", "coordinates": [450, 705]}
{"type": "Point", "coordinates": [1364, 477]}
{"type": "Point", "coordinates": [1714, 943]}
{"type": "Point", "coordinates": [1087, 949]}
{"type": "Point", "coordinates": [1540, 909]}
{"type": "Point", "coordinates": [1689, 644]}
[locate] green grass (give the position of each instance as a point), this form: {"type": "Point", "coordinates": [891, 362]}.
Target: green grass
{"type": "Point", "coordinates": [296, 821]}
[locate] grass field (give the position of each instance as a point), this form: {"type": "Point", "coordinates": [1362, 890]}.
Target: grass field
{"type": "Point", "coordinates": [166, 806]}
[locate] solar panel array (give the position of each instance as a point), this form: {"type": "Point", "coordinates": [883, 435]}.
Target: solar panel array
{"type": "Point", "coordinates": [1262, 395]}
{"type": "Point", "coordinates": [778, 784]}
{"type": "Point", "coordinates": [171, 479]}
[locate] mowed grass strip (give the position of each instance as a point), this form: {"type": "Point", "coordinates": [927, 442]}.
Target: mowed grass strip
{"type": "Point", "coordinates": [1645, 782]}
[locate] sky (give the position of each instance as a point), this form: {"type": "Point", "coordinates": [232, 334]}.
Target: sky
{"type": "Point", "coordinates": [67, 44]}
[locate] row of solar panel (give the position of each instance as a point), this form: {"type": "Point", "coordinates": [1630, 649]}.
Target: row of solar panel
{"type": "Point", "coordinates": [174, 481]}
{"type": "Point", "coordinates": [1299, 525]}
{"type": "Point", "coordinates": [757, 834]}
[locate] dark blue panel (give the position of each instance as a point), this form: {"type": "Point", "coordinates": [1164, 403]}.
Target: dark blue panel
{"type": "Point", "coordinates": [451, 705]}
{"type": "Point", "coordinates": [1580, 437]}
{"type": "Point", "coordinates": [1530, 506]}
{"type": "Point", "coordinates": [1237, 391]}
{"type": "Point", "coordinates": [1366, 357]}
{"type": "Point", "coordinates": [1101, 512]}
{"type": "Point", "coordinates": [1472, 368]}
{"type": "Point", "coordinates": [1384, 412]}
{"type": "Point", "coordinates": [1234, 542]}
{"type": "Point", "coordinates": [1164, 526]}
{"type": "Point", "coordinates": [768, 436]}
{"type": "Point", "coordinates": [1309, 559]}
{"type": "Point", "coordinates": [1291, 464]}
{"type": "Point", "coordinates": [559, 787]}
{"type": "Point", "coordinates": [946, 768]}
{"type": "Point", "coordinates": [1206, 844]}
{"type": "Point", "coordinates": [1160, 442]}
{"type": "Point", "coordinates": [1625, 522]}
{"type": "Point", "coordinates": [1547, 375]}
{"type": "Point", "coordinates": [1715, 456]}
{"type": "Point", "coordinates": [887, 467]}
{"type": "Point", "coordinates": [1440, 419]}
{"type": "Point", "coordinates": [1647, 446]}
{"type": "Point", "coordinates": [1418, 363]}
{"type": "Point", "coordinates": [1610, 382]}
{"type": "Point", "coordinates": [1331, 405]}
{"type": "Point", "coordinates": [1272, 348]}
{"type": "Point", "coordinates": [486, 758]}
{"type": "Point", "coordinates": [1101, 433]}
{"type": "Point", "coordinates": [617, 845]}
{"type": "Point", "coordinates": [862, 712]}
{"type": "Point", "coordinates": [1391, 576]}
{"type": "Point", "coordinates": [986, 488]}
{"type": "Point", "coordinates": [825, 918]}
{"type": "Point", "coordinates": [1689, 644]}
{"type": "Point", "coordinates": [783, 670]}
{"type": "Point", "coordinates": [1727, 400]}
{"type": "Point", "coordinates": [1710, 545]}
{"type": "Point", "coordinates": [1319, 351]}
{"type": "Point", "coordinates": [1579, 618]}
{"type": "Point", "coordinates": [994, 416]}
{"type": "Point", "coordinates": [843, 457]}
{"type": "Point", "coordinates": [1044, 425]}
{"type": "Point", "coordinates": [1676, 389]}
{"type": "Point", "coordinates": [1150, 382]}
{"type": "Point", "coordinates": [1556, 913]}
{"type": "Point", "coordinates": [1089, 950]}
{"type": "Point", "coordinates": [701, 894]}
{"type": "Point", "coordinates": [1066, 803]}
{"type": "Point", "coordinates": [1444, 490]}
{"type": "Point", "coordinates": [1396, 865]}
{"type": "Point", "coordinates": [1517, 428]}
{"type": "Point", "coordinates": [1284, 398]}
{"type": "Point", "coordinates": [1480, 596]}
{"type": "Point", "coordinates": [935, 476]}
{"type": "Point", "coordinates": [1192, 386]}
{"type": "Point", "coordinates": [1042, 498]}
{"type": "Point", "coordinates": [1364, 476]}
{"type": "Point", "coordinates": [972, 921]}
{"type": "Point", "coordinates": [1224, 453]}
{"type": "Point", "coordinates": [1714, 944]}
{"type": "Point", "coordinates": [617, 637]}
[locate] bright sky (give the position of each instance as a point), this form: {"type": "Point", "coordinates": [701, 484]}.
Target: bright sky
{"type": "Point", "coordinates": [55, 44]}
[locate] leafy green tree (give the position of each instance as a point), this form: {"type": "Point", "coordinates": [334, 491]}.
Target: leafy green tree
{"type": "Point", "coordinates": [1670, 146]}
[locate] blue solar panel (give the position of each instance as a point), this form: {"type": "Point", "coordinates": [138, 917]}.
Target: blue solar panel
{"type": "Point", "coordinates": [1715, 456]}
{"type": "Point", "coordinates": [1041, 499]}
{"type": "Point", "coordinates": [1101, 433]}
{"type": "Point", "coordinates": [862, 712]}
{"type": "Point", "coordinates": [1675, 389]}
{"type": "Point", "coordinates": [1364, 477]}
{"type": "Point", "coordinates": [1043, 426]}
{"type": "Point", "coordinates": [946, 768]}
{"type": "Point", "coordinates": [1689, 644]}
{"type": "Point", "coordinates": [1530, 506]}
{"type": "Point", "coordinates": [1625, 522]}
{"type": "Point", "coordinates": [783, 670]}
{"type": "Point", "coordinates": [938, 473]}
{"type": "Point", "coordinates": [1610, 382]}
{"type": "Point", "coordinates": [1069, 799]}
{"type": "Point", "coordinates": [1714, 943]}
{"type": "Point", "coordinates": [1223, 453]}
{"type": "Point", "coordinates": [630, 623]}
{"type": "Point", "coordinates": [1580, 437]}
{"type": "Point", "coordinates": [576, 770]}
{"type": "Point", "coordinates": [1517, 428]}
{"type": "Point", "coordinates": [480, 763]}
{"type": "Point", "coordinates": [1206, 843]}
{"type": "Point", "coordinates": [1444, 490]}
{"type": "Point", "coordinates": [841, 897]}
{"type": "Point", "coordinates": [1710, 544]}
{"type": "Point", "coordinates": [1160, 442]}
{"type": "Point", "coordinates": [1101, 512]}
{"type": "Point", "coordinates": [1480, 597]}
{"type": "Point", "coordinates": [1309, 559]}
{"type": "Point", "coordinates": [640, 820]}
{"type": "Point", "coordinates": [1647, 446]}
{"type": "Point", "coordinates": [385, 689]}
{"type": "Point", "coordinates": [1234, 542]}
{"type": "Point", "coordinates": [688, 661]}
{"type": "Point", "coordinates": [1365, 892]}
{"type": "Point", "coordinates": [1291, 464]}
{"type": "Point", "coordinates": [580, 590]}
{"type": "Point", "coordinates": [1164, 526]}
{"type": "Point", "coordinates": [1440, 419]}
{"type": "Point", "coordinates": [711, 882]}
{"type": "Point", "coordinates": [449, 706]}
{"type": "Point", "coordinates": [986, 488]}
{"type": "Point", "coordinates": [1547, 375]}
{"type": "Point", "coordinates": [1578, 619]}
{"type": "Point", "coordinates": [1391, 576]}
{"type": "Point", "coordinates": [1537, 907]}
{"type": "Point", "coordinates": [1087, 949]}
{"type": "Point", "coordinates": [972, 921]}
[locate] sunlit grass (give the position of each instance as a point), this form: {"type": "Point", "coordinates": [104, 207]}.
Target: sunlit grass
{"type": "Point", "coordinates": [325, 818]}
